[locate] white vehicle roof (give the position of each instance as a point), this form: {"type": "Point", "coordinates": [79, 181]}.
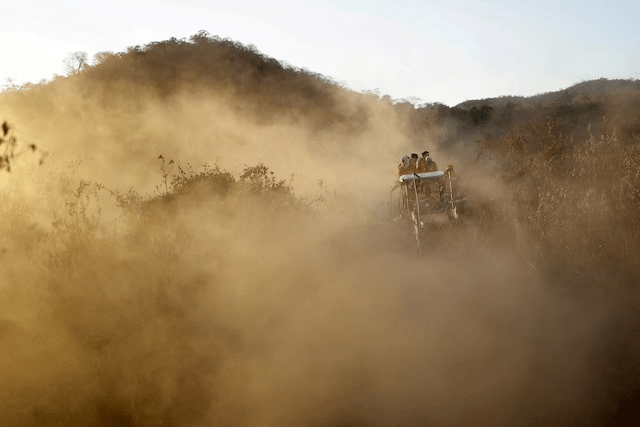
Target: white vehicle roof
{"type": "Point", "coordinates": [422, 175]}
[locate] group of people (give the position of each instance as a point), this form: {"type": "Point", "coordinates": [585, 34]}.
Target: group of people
{"type": "Point", "coordinates": [417, 164]}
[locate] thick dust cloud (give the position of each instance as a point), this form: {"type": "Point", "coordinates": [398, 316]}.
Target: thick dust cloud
{"type": "Point", "coordinates": [116, 123]}
{"type": "Point", "coordinates": [243, 298]}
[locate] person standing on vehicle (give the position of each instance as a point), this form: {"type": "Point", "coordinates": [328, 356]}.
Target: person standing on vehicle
{"type": "Point", "coordinates": [414, 163]}
{"type": "Point", "coordinates": [409, 165]}
{"type": "Point", "coordinates": [405, 166]}
{"type": "Point", "coordinates": [426, 163]}
{"type": "Point", "coordinates": [421, 165]}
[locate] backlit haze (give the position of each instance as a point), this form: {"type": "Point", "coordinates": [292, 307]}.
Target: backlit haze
{"type": "Point", "coordinates": [423, 51]}
{"type": "Point", "coordinates": [194, 235]}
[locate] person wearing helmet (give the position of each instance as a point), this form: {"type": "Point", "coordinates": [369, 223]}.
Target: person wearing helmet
{"type": "Point", "coordinates": [405, 166]}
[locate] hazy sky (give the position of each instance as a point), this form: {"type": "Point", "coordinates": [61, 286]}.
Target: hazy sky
{"type": "Point", "coordinates": [435, 51]}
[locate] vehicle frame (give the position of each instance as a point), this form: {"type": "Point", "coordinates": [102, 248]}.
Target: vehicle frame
{"type": "Point", "coordinates": [427, 201]}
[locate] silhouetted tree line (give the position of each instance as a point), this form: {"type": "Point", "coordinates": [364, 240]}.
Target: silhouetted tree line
{"type": "Point", "coordinates": [264, 85]}
{"type": "Point", "coordinates": [573, 110]}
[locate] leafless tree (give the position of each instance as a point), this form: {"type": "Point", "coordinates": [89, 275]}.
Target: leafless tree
{"type": "Point", "coordinates": [76, 62]}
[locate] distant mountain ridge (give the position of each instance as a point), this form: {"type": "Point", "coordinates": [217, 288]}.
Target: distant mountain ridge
{"type": "Point", "coordinates": [593, 90]}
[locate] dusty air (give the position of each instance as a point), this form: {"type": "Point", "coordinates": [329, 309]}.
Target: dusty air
{"type": "Point", "coordinates": [196, 234]}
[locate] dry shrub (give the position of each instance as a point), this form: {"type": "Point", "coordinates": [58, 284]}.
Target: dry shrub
{"type": "Point", "coordinates": [226, 300]}
{"type": "Point", "coordinates": [579, 201]}
{"type": "Point", "coordinates": [128, 329]}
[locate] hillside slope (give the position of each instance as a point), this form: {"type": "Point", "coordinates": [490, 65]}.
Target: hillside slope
{"type": "Point", "coordinates": [208, 99]}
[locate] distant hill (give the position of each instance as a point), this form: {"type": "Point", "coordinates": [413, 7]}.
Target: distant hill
{"type": "Point", "coordinates": [591, 90]}
{"type": "Point", "coordinates": [207, 98]}
{"type": "Point", "coordinates": [594, 106]}
{"type": "Point", "coordinates": [222, 66]}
